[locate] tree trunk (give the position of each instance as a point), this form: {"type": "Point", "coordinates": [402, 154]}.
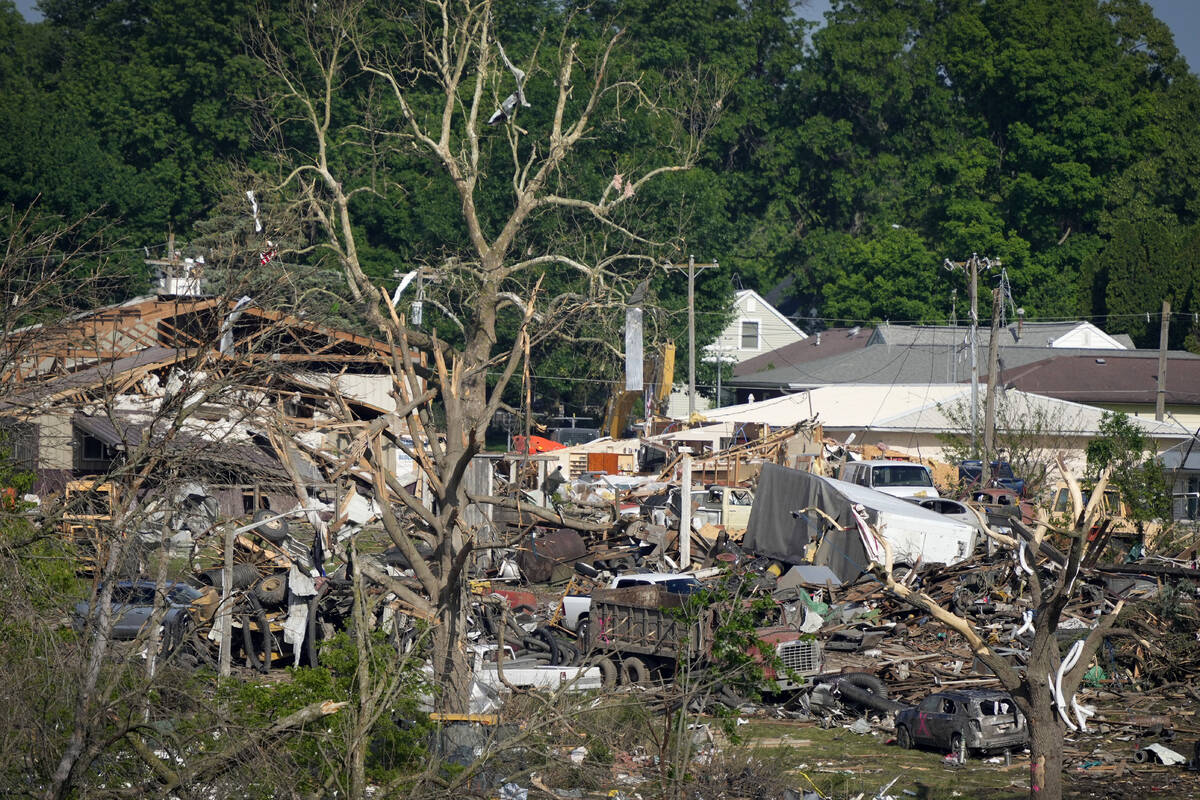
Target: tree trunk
{"type": "Point", "coordinates": [452, 663]}
{"type": "Point", "coordinates": [1045, 751]}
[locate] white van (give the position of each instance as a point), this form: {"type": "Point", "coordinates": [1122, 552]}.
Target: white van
{"type": "Point", "coordinates": [897, 478]}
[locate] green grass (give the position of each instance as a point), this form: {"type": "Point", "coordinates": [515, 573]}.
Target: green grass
{"type": "Point", "coordinates": [841, 764]}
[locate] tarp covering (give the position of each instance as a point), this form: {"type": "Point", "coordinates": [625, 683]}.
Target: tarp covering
{"type": "Point", "coordinates": [773, 531]}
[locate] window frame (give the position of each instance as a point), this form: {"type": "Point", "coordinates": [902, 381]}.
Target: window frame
{"type": "Point", "coordinates": [757, 323]}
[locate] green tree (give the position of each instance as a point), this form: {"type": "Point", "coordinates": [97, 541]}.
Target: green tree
{"type": "Point", "coordinates": [1128, 455]}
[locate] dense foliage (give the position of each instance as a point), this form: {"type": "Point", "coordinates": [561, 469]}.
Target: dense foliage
{"type": "Point", "coordinates": [850, 158]}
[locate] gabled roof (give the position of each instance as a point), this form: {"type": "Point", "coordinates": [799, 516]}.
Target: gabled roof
{"type": "Point", "coordinates": [742, 298]}
{"type": "Point", "coordinates": [942, 363]}
{"type": "Point", "coordinates": [1027, 334]}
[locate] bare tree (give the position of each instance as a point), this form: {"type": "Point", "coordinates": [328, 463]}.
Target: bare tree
{"type": "Point", "coordinates": [432, 87]}
{"type": "Point", "coordinates": [1029, 436]}
{"type": "Point", "coordinates": [1044, 686]}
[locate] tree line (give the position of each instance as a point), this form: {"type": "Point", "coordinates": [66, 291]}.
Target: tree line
{"type": "Point", "coordinates": [851, 157]}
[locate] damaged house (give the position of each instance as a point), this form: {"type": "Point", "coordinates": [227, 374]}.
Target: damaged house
{"type": "Point", "coordinates": [249, 386]}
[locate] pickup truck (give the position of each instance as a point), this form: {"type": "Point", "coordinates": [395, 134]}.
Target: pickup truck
{"type": "Point", "coordinates": [576, 608]}
{"type": "Point", "coordinates": [635, 631]}
{"type": "Point", "coordinates": [528, 675]}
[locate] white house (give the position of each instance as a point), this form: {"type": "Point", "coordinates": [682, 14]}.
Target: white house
{"type": "Point", "coordinates": [757, 328]}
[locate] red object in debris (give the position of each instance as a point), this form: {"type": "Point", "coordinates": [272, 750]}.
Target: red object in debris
{"type": "Point", "coordinates": [518, 601]}
{"type": "Point", "coordinates": [537, 444]}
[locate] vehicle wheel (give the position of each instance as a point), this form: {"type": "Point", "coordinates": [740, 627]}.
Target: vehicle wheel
{"type": "Point", "coordinates": [272, 590]}
{"type": "Point", "coordinates": [173, 632]}
{"type": "Point", "coordinates": [958, 747]}
{"type": "Point", "coordinates": [275, 531]}
{"type": "Point", "coordinates": [904, 738]}
{"type": "Point", "coordinates": [608, 673]}
{"type": "Point", "coordinates": [582, 628]}
{"type": "Point", "coordinates": [634, 672]}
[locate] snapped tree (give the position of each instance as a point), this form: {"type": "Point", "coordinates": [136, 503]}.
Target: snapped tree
{"type": "Point", "coordinates": [1044, 686]}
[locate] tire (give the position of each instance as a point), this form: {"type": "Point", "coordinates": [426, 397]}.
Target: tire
{"type": "Point", "coordinates": [244, 576]}
{"type": "Point", "coordinates": [248, 648]}
{"type": "Point", "coordinates": [582, 629]}
{"type": "Point", "coordinates": [904, 738]}
{"type": "Point", "coordinates": [865, 681]}
{"type": "Point", "coordinates": [275, 531]}
{"type": "Point", "coordinates": [867, 691]}
{"type": "Point", "coordinates": [958, 747]}
{"type": "Point", "coordinates": [271, 591]}
{"type": "Point", "coordinates": [568, 654]}
{"type": "Point", "coordinates": [173, 633]}
{"type": "Point", "coordinates": [268, 638]}
{"type": "Point", "coordinates": [608, 673]}
{"type": "Point", "coordinates": [634, 672]}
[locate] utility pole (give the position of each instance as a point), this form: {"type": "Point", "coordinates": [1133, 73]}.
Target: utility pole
{"type": "Point", "coordinates": [1160, 400]}
{"type": "Point", "coordinates": [720, 363]}
{"type": "Point", "coordinates": [692, 266]}
{"type": "Point", "coordinates": [685, 509]}
{"type": "Point", "coordinates": [989, 411]}
{"type": "Point", "coordinates": [971, 267]}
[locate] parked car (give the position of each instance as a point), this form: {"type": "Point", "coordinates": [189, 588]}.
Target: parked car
{"type": "Point", "coordinates": [964, 720]}
{"type": "Point", "coordinates": [133, 605]}
{"type": "Point", "coordinates": [897, 478]}
{"type": "Point", "coordinates": [970, 473]}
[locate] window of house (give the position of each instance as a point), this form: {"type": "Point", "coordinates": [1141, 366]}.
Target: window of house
{"type": "Point", "coordinates": [96, 450]}
{"type": "Point", "coordinates": [21, 440]}
{"type": "Point", "coordinates": [749, 334]}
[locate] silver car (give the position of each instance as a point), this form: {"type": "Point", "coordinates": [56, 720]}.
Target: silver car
{"type": "Point", "coordinates": [964, 720]}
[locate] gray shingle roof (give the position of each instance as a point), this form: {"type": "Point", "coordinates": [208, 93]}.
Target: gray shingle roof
{"type": "Point", "coordinates": [946, 363]}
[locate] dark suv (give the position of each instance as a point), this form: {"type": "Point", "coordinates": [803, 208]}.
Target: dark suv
{"type": "Point", "coordinates": [970, 473]}
{"type": "Point", "coordinates": [959, 721]}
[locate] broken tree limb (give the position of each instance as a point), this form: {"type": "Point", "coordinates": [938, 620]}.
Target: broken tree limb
{"type": "Point", "coordinates": [544, 514]}
{"type": "Point", "coordinates": [224, 761]}
{"type": "Point", "coordinates": [419, 605]}
{"type": "Point", "coordinates": [884, 572]}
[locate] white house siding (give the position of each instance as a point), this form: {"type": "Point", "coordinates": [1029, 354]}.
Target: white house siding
{"type": "Point", "coordinates": [774, 331]}
{"type": "Point", "coordinates": [1088, 335]}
